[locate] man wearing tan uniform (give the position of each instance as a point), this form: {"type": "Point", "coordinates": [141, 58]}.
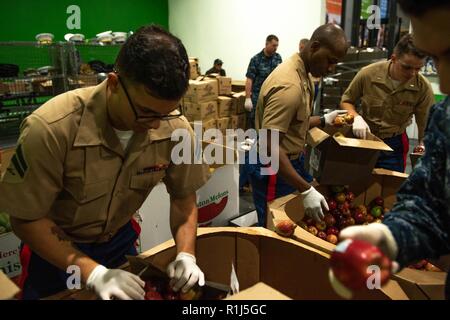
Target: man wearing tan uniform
{"type": "Point", "coordinates": [285, 105]}
{"type": "Point", "coordinates": [391, 92]}
{"type": "Point", "coordinates": [87, 160]}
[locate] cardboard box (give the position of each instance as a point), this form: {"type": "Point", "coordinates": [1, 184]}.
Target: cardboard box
{"type": "Point", "coordinates": [206, 125]}
{"type": "Point", "coordinates": [259, 291]}
{"type": "Point", "coordinates": [10, 254]}
{"type": "Point", "coordinates": [414, 158]}
{"type": "Point", "coordinates": [334, 156]}
{"type": "Point", "coordinates": [382, 183]}
{"type": "Point", "coordinates": [226, 106]}
{"type": "Point", "coordinates": [258, 255]}
{"type": "Point", "coordinates": [238, 85]}
{"type": "Point", "coordinates": [203, 111]}
{"type": "Point", "coordinates": [223, 124]}
{"type": "Point", "coordinates": [224, 84]}
{"type": "Point", "coordinates": [8, 289]}
{"type": "Point", "coordinates": [202, 91]}
{"type": "Point", "coordinates": [240, 102]}
{"type": "Point", "coordinates": [194, 68]}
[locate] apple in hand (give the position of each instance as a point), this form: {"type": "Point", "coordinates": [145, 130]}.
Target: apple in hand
{"type": "Point", "coordinates": [351, 264]}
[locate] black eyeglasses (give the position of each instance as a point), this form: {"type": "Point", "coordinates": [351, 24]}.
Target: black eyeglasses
{"type": "Point", "coordinates": [149, 117]}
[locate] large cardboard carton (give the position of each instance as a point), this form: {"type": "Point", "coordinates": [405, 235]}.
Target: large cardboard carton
{"type": "Point", "coordinates": [258, 255]}
{"type": "Point", "coordinates": [226, 106]}
{"type": "Point", "coordinates": [194, 68]}
{"type": "Point", "coordinates": [259, 291]}
{"type": "Point", "coordinates": [8, 289]}
{"type": "Point", "coordinates": [223, 124]}
{"type": "Point", "coordinates": [206, 125]}
{"type": "Point", "coordinates": [224, 84]}
{"type": "Point", "coordinates": [202, 91]}
{"type": "Point", "coordinates": [203, 111]}
{"type": "Point", "coordinates": [240, 102]}
{"type": "Point", "coordinates": [335, 156]}
{"type": "Point", "coordinates": [238, 121]}
{"type": "Point", "coordinates": [416, 283]}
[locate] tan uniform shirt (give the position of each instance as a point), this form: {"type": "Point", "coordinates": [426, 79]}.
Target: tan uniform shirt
{"type": "Point", "coordinates": [70, 167]}
{"type": "Point", "coordinates": [285, 103]}
{"type": "Point", "coordinates": [388, 111]}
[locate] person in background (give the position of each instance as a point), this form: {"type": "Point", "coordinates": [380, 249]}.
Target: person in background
{"type": "Point", "coordinates": [259, 68]}
{"type": "Point", "coordinates": [418, 226]}
{"type": "Point", "coordinates": [391, 92]}
{"type": "Point", "coordinates": [302, 44]}
{"type": "Point", "coordinates": [217, 68]}
{"type": "Point", "coordinates": [285, 105]}
{"type": "Point", "coordinates": [86, 161]}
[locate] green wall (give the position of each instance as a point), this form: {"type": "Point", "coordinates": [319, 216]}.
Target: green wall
{"type": "Point", "coordinates": [21, 20]}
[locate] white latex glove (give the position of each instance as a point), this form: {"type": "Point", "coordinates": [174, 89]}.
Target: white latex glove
{"type": "Point", "coordinates": [313, 202]}
{"type": "Point", "coordinates": [115, 283]}
{"type": "Point", "coordinates": [184, 272]}
{"type": "Point", "coordinates": [248, 104]}
{"type": "Point", "coordinates": [329, 117]}
{"type": "Point", "coordinates": [377, 234]}
{"type": "Point", "coordinates": [360, 127]}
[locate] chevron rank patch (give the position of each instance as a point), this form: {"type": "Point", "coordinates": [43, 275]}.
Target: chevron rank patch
{"type": "Point", "coordinates": [18, 167]}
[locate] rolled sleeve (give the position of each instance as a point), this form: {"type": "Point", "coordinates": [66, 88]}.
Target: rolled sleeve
{"type": "Point", "coordinates": [33, 179]}
{"type": "Point", "coordinates": [355, 90]}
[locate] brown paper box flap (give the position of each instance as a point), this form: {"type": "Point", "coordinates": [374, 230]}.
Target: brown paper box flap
{"type": "Point", "coordinates": [7, 288]}
{"type": "Point", "coordinates": [316, 136]}
{"type": "Point", "coordinates": [362, 144]}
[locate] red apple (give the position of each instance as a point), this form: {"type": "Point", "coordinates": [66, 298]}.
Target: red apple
{"type": "Point", "coordinates": [419, 149]}
{"type": "Point", "coordinates": [369, 218]}
{"type": "Point", "coordinates": [332, 204]}
{"type": "Point", "coordinates": [313, 230]}
{"type": "Point", "coordinates": [378, 201]}
{"type": "Point", "coordinates": [350, 196]}
{"type": "Point", "coordinates": [321, 225]}
{"type": "Point", "coordinates": [329, 219]}
{"type": "Point", "coordinates": [322, 235]}
{"type": "Point", "coordinates": [350, 263]}
{"type": "Point", "coordinates": [332, 238]}
{"type": "Point", "coordinates": [285, 228]}
{"type": "Point", "coordinates": [376, 212]}
{"type": "Point", "coordinates": [419, 265]}
{"type": "Point", "coordinates": [153, 295]}
{"type": "Point", "coordinates": [309, 221]}
{"type": "Point", "coordinates": [359, 218]}
{"type": "Point", "coordinates": [333, 230]}
{"type": "Point", "coordinates": [340, 197]}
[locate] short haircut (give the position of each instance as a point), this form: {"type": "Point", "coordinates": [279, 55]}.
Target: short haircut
{"type": "Point", "coordinates": [406, 46]}
{"type": "Point", "coordinates": [271, 37]}
{"type": "Point", "coordinates": [304, 41]}
{"type": "Point", "coordinates": [419, 8]}
{"type": "Point", "coordinates": [329, 35]}
{"type": "Point", "coordinates": [157, 59]}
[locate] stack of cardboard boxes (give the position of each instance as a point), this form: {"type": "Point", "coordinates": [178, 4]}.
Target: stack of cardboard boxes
{"type": "Point", "coordinates": [211, 100]}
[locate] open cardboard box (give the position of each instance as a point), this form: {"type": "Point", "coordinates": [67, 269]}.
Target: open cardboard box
{"type": "Point", "coordinates": [417, 284]}
{"type": "Point", "coordinates": [335, 156]}
{"type": "Point", "coordinates": [292, 268]}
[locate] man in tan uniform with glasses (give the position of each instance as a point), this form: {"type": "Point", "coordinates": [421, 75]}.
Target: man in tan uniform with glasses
{"type": "Point", "coordinates": [87, 160]}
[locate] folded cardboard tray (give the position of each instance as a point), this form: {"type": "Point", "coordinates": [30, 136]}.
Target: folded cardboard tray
{"type": "Point", "coordinates": [417, 284]}
{"type": "Point", "coordinates": [291, 269]}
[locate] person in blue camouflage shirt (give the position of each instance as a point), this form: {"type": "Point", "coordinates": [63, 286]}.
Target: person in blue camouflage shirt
{"type": "Point", "coordinates": [418, 226]}
{"type": "Point", "coordinates": [259, 68]}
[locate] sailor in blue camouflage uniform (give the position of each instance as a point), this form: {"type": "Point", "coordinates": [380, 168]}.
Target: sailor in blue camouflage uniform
{"type": "Point", "coordinates": [259, 68]}
{"type": "Point", "coordinates": [418, 227]}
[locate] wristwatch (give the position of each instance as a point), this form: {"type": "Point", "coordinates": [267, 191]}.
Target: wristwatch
{"type": "Point", "coordinates": [322, 121]}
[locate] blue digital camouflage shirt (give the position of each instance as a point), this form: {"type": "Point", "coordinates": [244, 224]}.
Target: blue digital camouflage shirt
{"type": "Point", "coordinates": [258, 70]}
{"type": "Point", "coordinates": [420, 220]}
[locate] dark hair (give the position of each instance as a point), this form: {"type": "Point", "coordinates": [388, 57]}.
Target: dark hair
{"type": "Point", "coordinates": [406, 46]}
{"type": "Point", "coordinates": [419, 8]}
{"type": "Point", "coordinates": [329, 35]}
{"type": "Point", "coordinates": [156, 58]}
{"type": "Point", "coordinates": [271, 37]}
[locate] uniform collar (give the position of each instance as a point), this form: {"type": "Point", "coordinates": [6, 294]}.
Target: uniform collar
{"type": "Point", "coordinates": [301, 69]}
{"type": "Point", "coordinates": [382, 77]}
